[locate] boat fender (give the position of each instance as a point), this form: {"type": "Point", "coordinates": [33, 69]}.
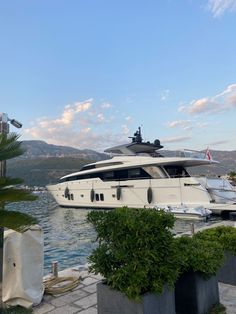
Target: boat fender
{"type": "Point", "coordinates": [149, 195]}
{"type": "Point", "coordinates": [66, 192]}
{"type": "Point", "coordinates": [92, 195]}
{"type": "Point", "coordinates": [118, 192]}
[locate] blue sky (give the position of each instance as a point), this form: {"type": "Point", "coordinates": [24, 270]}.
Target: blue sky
{"type": "Point", "coordinates": [88, 73]}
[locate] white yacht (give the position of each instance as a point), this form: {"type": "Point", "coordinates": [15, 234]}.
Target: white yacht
{"type": "Point", "coordinates": [139, 176]}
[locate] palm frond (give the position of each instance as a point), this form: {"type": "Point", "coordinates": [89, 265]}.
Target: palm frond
{"type": "Point", "coordinates": [12, 194]}
{"type": "Point", "coordinates": [9, 146]}
{"type": "Point", "coordinates": [16, 221]}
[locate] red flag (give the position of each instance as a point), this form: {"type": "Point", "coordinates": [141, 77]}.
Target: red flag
{"type": "Point", "coordinates": [208, 154]}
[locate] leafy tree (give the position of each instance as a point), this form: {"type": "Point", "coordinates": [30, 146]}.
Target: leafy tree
{"type": "Point", "coordinates": [232, 176]}
{"type": "Point", "coordinates": [10, 147]}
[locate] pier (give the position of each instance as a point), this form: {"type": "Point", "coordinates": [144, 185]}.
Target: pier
{"type": "Point", "coordinates": [83, 299]}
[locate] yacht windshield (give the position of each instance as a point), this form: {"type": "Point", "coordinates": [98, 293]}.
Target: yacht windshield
{"type": "Point", "coordinates": [176, 171]}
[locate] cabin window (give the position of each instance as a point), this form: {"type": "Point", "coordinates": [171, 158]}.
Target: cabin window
{"type": "Point", "coordinates": [124, 174]}
{"type": "Point", "coordinates": [109, 175]}
{"type": "Point", "coordinates": [134, 173]}
{"type": "Point", "coordinates": [176, 171]}
{"type": "Point", "coordinates": [97, 197]}
{"type": "Point", "coordinates": [121, 174]}
{"type": "Point", "coordinates": [138, 173]}
{"type": "Point", "coordinates": [101, 197]}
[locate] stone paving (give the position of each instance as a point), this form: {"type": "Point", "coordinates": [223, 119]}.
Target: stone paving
{"type": "Point", "coordinates": [83, 299]}
{"type": "Point", "coordinates": [228, 297]}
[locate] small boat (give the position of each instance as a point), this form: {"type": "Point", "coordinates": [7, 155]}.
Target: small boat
{"type": "Point", "coordinates": [184, 212]}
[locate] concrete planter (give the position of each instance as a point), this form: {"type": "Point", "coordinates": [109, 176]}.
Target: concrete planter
{"type": "Point", "coordinates": [227, 273]}
{"type": "Point", "coordinates": [194, 294]}
{"type": "Point", "coordinates": [110, 301]}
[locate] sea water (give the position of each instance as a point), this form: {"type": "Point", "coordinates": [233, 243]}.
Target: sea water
{"type": "Point", "coordinates": [68, 237]}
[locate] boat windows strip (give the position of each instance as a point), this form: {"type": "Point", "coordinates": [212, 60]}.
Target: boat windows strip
{"type": "Point", "coordinates": [115, 175]}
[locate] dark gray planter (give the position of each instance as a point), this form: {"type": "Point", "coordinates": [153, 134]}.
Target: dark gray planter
{"type": "Point", "coordinates": [194, 294]}
{"type": "Point", "coordinates": [227, 273]}
{"type": "Point", "coordinates": [110, 301]}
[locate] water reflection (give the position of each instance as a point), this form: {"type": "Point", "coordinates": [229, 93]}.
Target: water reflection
{"type": "Point", "coordinates": [68, 237]}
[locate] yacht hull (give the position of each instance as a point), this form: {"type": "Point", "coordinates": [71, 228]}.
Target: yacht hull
{"type": "Point", "coordinates": [96, 194]}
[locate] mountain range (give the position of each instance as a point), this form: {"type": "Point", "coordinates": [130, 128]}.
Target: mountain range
{"type": "Point", "coordinates": [41, 149]}
{"type": "Point", "coordinates": [44, 163]}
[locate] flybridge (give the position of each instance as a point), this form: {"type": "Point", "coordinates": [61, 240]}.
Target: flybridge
{"type": "Point", "coordinates": [137, 146]}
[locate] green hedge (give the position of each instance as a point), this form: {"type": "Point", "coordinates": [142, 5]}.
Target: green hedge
{"type": "Point", "coordinates": [136, 252]}
{"type": "Point", "coordinates": [223, 235]}
{"type": "Point", "coordinates": [200, 255]}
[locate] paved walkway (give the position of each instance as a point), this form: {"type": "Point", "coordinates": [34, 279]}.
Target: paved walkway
{"type": "Point", "coordinates": [83, 299]}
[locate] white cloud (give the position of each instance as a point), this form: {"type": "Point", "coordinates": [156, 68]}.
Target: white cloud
{"type": "Point", "coordinates": [80, 125]}
{"type": "Point", "coordinates": [204, 105]}
{"type": "Point", "coordinates": [100, 118]}
{"type": "Point", "coordinates": [125, 129]}
{"type": "Point", "coordinates": [165, 94]}
{"type": "Point", "coordinates": [83, 106]}
{"type": "Point", "coordinates": [175, 139]}
{"type": "Point", "coordinates": [128, 119]}
{"type": "Point", "coordinates": [202, 125]}
{"type": "Point", "coordinates": [86, 130]}
{"type": "Point", "coordinates": [106, 105]}
{"type": "Point", "coordinates": [218, 142]}
{"type": "Point", "coordinates": [185, 124]}
{"type": "Point", "coordinates": [182, 108]}
{"type": "Point", "coordinates": [224, 101]}
{"type": "Point", "coordinates": [219, 7]}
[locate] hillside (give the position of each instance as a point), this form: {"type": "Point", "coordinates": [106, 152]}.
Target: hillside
{"type": "Point", "coordinates": [227, 163]}
{"type": "Point", "coordinates": [35, 149]}
{"type": "Point", "coordinates": [44, 163]}
{"type": "Point", "coordinates": [42, 171]}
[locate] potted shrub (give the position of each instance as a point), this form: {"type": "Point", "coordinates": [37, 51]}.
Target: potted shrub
{"type": "Point", "coordinates": [225, 236]}
{"type": "Point", "coordinates": [138, 258]}
{"type": "Point", "coordinates": [196, 290]}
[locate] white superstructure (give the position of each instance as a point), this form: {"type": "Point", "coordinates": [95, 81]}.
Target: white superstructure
{"type": "Point", "coordinates": [140, 177]}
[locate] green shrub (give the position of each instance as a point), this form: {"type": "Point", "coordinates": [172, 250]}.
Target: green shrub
{"type": "Point", "coordinates": [218, 309]}
{"type": "Point", "coordinates": [136, 250]}
{"type": "Point", "coordinates": [224, 235]}
{"type": "Point", "coordinates": [16, 310]}
{"type": "Point", "coordinates": [200, 255]}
